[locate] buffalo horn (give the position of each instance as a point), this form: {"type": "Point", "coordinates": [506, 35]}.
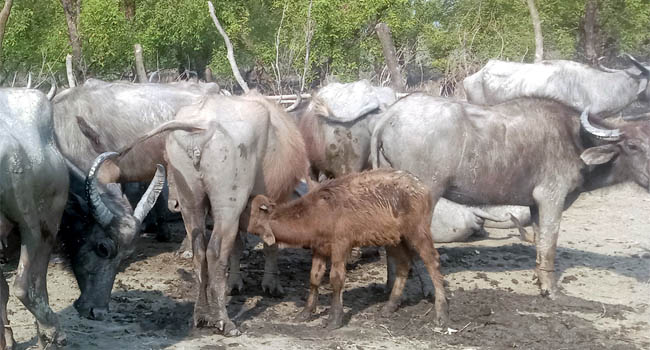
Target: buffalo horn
{"type": "Point", "coordinates": [605, 69]}
{"type": "Point", "coordinates": [603, 134]}
{"type": "Point", "coordinates": [100, 211]}
{"type": "Point", "coordinates": [52, 92]}
{"type": "Point", "coordinates": [151, 195]}
{"type": "Point", "coordinates": [642, 68]}
{"type": "Point", "coordinates": [29, 80]}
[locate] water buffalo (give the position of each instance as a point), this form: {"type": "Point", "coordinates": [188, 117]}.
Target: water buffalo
{"type": "Point", "coordinates": [574, 84]}
{"type": "Point", "coordinates": [337, 126]}
{"type": "Point", "coordinates": [529, 152]}
{"type": "Point", "coordinates": [33, 193]}
{"type": "Point", "coordinates": [98, 232]}
{"type": "Point", "coordinates": [248, 146]}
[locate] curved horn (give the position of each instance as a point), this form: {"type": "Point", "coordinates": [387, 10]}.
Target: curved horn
{"type": "Point", "coordinates": [642, 68]}
{"type": "Point", "coordinates": [52, 92]}
{"type": "Point", "coordinates": [29, 80]}
{"type": "Point", "coordinates": [603, 134]}
{"type": "Point", "coordinates": [605, 69]}
{"type": "Point", "coordinates": [100, 211]}
{"type": "Point", "coordinates": [295, 103]}
{"type": "Point", "coordinates": [151, 195]}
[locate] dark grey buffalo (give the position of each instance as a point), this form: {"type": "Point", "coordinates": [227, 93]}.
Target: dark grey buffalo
{"type": "Point", "coordinates": [574, 84]}
{"type": "Point", "coordinates": [337, 126]}
{"type": "Point", "coordinates": [33, 193]}
{"type": "Point", "coordinates": [527, 152]}
{"type": "Point", "coordinates": [89, 120]}
{"type": "Point", "coordinates": [246, 146]}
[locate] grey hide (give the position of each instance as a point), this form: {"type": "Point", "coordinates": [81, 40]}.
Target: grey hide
{"type": "Point", "coordinates": [572, 83]}
{"type": "Point", "coordinates": [247, 146]}
{"type": "Point", "coordinates": [527, 152]}
{"type": "Point", "coordinates": [33, 193]}
{"type": "Point", "coordinates": [337, 148]}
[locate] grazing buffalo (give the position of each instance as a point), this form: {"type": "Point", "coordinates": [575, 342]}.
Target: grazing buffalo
{"type": "Point", "coordinates": [33, 194]}
{"type": "Point", "coordinates": [337, 126]}
{"type": "Point", "coordinates": [98, 232]}
{"type": "Point", "coordinates": [528, 152]}
{"type": "Point", "coordinates": [248, 146]}
{"type": "Point", "coordinates": [574, 84]}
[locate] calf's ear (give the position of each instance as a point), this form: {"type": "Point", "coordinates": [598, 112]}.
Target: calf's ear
{"type": "Point", "coordinates": [600, 154]}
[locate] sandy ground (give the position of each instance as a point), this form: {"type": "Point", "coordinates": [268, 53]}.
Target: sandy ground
{"type": "Point", "coordinates": [603, 267]}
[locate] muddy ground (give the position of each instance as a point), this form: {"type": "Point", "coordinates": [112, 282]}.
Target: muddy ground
{"type": "Point", "coordinates": [603, 267]}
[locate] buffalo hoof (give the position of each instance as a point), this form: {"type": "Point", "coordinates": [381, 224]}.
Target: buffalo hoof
{"type": "Point", "coordinates": [547, 284]}
{"type": "Point", "coordinates": [9, 342]}
{"type": "Point", "coordinates": [235, 284]}
{"type": "Point", "coordinates": [354, 256]}
{"type": "Point", "coordinates": [271, 285]}
{"type": "Point", "coordinates": [50, 337]}
{"type": "Point", "coordinates": [185, 254]}
{"type": "Point", "coordinates": [204, 320]}
{"type": "Point", "coordinates": [334, 322]}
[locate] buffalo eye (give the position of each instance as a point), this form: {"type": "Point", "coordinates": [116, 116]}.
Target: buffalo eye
{"type": "Point", "coordinates": [633, 146]}
{"type": "Point", "coordinates": [106, 249]}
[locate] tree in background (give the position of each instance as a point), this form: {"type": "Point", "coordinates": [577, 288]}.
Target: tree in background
{"type": "Point", "coordinates": [4, 17]}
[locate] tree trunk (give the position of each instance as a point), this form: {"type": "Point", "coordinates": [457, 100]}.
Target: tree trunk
{"type": "Point", "coordinates": [4, 17]}
{"type": "Point", "coordinates": [537, 27]}
{"type": "Point", "coordinates": [396, 80]}
{"type": "Point", "coordinates": [139, 64]}
{"type": "Point", "coordinates": [72, 9]}
{"type": "Point", "coordinates": [128, 7]}
{"type": "Point", "coordinates": [590, 32]}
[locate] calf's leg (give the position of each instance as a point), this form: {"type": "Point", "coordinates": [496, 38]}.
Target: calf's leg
{"type": "Point", "coordinates": [271, 280]}
{"type": "Point", "coordinates": [337, 280]}
{"type": "Point", "coordinates": [423, 244]}
{"type": "Point", "coordinates": [235, 281]}
{"type": "Point", "coordinates": [401, 256]}
{"type": "Point", "coordinates": [318, 268]}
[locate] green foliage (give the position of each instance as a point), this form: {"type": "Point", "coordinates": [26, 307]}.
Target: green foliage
{"type": "Point", "coordinates": [442, 34]}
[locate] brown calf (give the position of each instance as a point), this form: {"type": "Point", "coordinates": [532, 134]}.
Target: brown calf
{"type": "Point", "coordinates": [374, 208]}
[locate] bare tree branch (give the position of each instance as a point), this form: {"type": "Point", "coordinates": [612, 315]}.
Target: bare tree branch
{"type": "Point", "coordinates": [4, 17]}
{"type": "Point", "coordinates": [231, 54]}
{"type": "Point", "coordinates": [72, 10]}
{"type": "Point", "coordinates": [276, 67]}
{"type": "Point", "coordinates": [68, 67]}
{"type": "Point", "coordinates": [309, 33]}
{"type": "Point", "coordinates": [383, 32]}
{"type": "Point", "coordinates": [139, 64]}
{"type": "Point", "coordinates": [537, 27]}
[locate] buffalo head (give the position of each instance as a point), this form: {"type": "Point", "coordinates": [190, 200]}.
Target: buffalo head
{"type": "Point", "coordinates": [101, 233]}
{"type": "Point", "coordinates": [625, 153]}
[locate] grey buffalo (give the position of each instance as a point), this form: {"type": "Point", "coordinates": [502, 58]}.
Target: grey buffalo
{"type": "Point", "coordinates": [337, 126]}
{"type": "Point", "coordinates": [89, 120]}
{"type": "Point", "coordinates": [247, 146]}
{"type": "Point", "coordinates": [33, 194]}
{"type": "Point", "coordinates": [527, 152]}
{"type": "Point", "coordinates": [574, 84]}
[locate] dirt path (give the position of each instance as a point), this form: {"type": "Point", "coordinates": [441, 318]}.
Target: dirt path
{"type": "Point", "coordinates": [603, 267]}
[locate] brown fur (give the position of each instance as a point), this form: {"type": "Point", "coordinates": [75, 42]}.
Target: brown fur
{"type": "Point", "coordinates": [312, 133]}
{"type": "Point", "coordinates": [287, 163]}
{"type": "Point", "coordinates": [374, 208]}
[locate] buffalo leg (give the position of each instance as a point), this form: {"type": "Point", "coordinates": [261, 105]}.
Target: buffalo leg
{"type": "Point", "coordinates": [318, 268]}
{"type": "Point", "coordinates": [337, 280]}
{"type": "Point", "coordinates": [30, 285]}
{"type": "Point", "coordinates": [271, 281]}
{"type": "Point", "coordinates": [401, 255]}
{"type": "Point", "coordinates": [550, 214]}
{"type": "Point", "coordinates": [423, 245]}
{"type": "Point", "coordinates": [6, 337]}
{"type": "Point", "coordinates": [194, 220]}
{"type": "Point", "coordinates": [235, 281]}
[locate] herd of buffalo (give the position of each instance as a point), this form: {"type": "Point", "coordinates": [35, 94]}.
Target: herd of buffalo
{"type": "Point", "coordinates": [528, 140]}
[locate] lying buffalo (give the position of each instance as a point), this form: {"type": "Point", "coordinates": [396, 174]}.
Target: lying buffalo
{"type": "Point", "coordinates": [245, 146]}
{"type": "Point", "coordinates": [33, 193]}
{"type": "Point", "coordinates": [529, 152]}
{"type": "Point", "coordinates": [337, 126]}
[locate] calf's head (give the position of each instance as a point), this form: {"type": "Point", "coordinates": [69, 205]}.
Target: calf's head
{"type": "Point", "coordinates": [104, 237]}
{"type": "Point", "coordinates": [261, 210]}
{"type": "Point", "coordinates": [626, 151]}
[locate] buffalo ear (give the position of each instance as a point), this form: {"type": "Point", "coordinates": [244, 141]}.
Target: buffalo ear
{"type": "Point", "coordinates": [600, 154]}
{"type": "Point", "coordinates": [92, 135]}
